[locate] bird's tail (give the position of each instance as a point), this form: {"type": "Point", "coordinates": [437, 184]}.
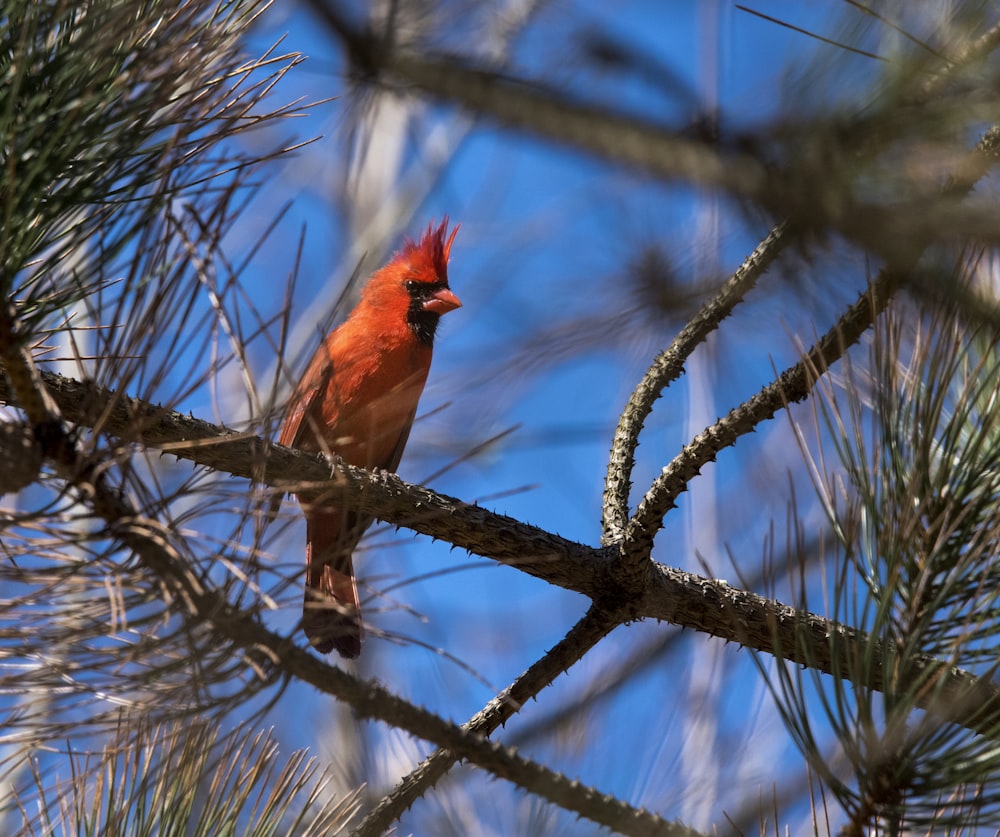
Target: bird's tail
{"type": "Point", "coordinates": [331, 615]}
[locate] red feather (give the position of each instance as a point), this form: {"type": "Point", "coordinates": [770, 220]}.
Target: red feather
{"type": "Point", "coordinates": [357, 399]}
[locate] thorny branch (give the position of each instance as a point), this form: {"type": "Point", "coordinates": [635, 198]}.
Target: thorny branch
{"type": "Point", "coordinates": [666, 368]}
{"type": "Point", "coordinates": [684, 599]}
{"type": "Point", "coordinates": [152, 545]}
{"type": "Point", "coordinates": [793, 385]}
{"type": "Point", "coordinates": [591, 629]}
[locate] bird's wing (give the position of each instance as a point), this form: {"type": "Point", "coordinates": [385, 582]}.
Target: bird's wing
{"type": "Point", "coordinates": [302, 402]}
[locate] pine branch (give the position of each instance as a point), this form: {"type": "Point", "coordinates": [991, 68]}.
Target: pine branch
{"type": "Point", "coordinates": [666, 368]}
{"type": "Point", "coordinates": [826, 156]}
{"type": "Point", "coordinates": [793, 385]}
{"type": "Point", "coordinates": [591, 629]}
{"type": "Point", "coordinates": [620, 579]}
{"type": "Point", "coordinates": [152, 545]}
{"type": "Point", "coordinates": [666, 594]}
{"type": "Point", "coordinates": [187, 778]}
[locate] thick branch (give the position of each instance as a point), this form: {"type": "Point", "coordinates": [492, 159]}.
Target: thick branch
{"type": "Point", "coordinates": [827, 159]}
{"type": "Point", "coordinates": [548, 113]}
{"type": "Point", "coordinates": [667, 594]}
{"type": "Point", "coordinates": [152, 545]}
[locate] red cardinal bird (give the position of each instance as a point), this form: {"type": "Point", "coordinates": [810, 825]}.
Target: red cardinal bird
{"type": "Point", "coordinates": [357, 399]}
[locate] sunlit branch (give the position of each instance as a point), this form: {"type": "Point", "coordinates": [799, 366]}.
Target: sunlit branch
{"type": "Point", "coordinates": [666, 368]}
{"type": "Point", "coordinates": [590, 630]}
{"type": "Point", "coordinates": [793, 385]}
{"type": "Point", "coordinates": [660, 593]}
{"type": "Point", "coordinates": [152, 544]}
{"type": "Point", "coordinates": [970, 53]}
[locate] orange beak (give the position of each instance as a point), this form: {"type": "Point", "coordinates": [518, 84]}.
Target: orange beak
{"type": "Point", "coordinates": [442, 302]}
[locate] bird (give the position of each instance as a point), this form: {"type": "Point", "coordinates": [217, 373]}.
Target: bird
{"type": "Point", "coordinates": [357, 399]}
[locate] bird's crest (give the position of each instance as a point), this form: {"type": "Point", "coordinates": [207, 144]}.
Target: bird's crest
{"type": "Point", "coordinates": [432, 251]}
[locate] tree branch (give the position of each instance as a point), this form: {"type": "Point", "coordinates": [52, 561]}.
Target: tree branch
{"type": "Point", "coordinates": [152, 544]}
{"type": "Point", "coordinates": [793, 385]}
{"type": "Point", "coordinates": [591, 629]}
{"type": "Point", "coordinates": [828, 159]}
{"type": "Point", "coordinates": [666, 368]}
{"type": "Point", "coordinates": [685, 599]}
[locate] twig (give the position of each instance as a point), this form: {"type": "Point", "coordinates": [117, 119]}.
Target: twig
{"type": "Point", "coordinates": [591, 629]}
{"type": "Point", "coordinates": [793, 385]}
{"type": "Point", "coordinates": [666, 368]}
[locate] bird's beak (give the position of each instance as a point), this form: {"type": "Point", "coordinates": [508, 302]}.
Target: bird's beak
{"type": "Point", "coordinates": [441, 302]}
